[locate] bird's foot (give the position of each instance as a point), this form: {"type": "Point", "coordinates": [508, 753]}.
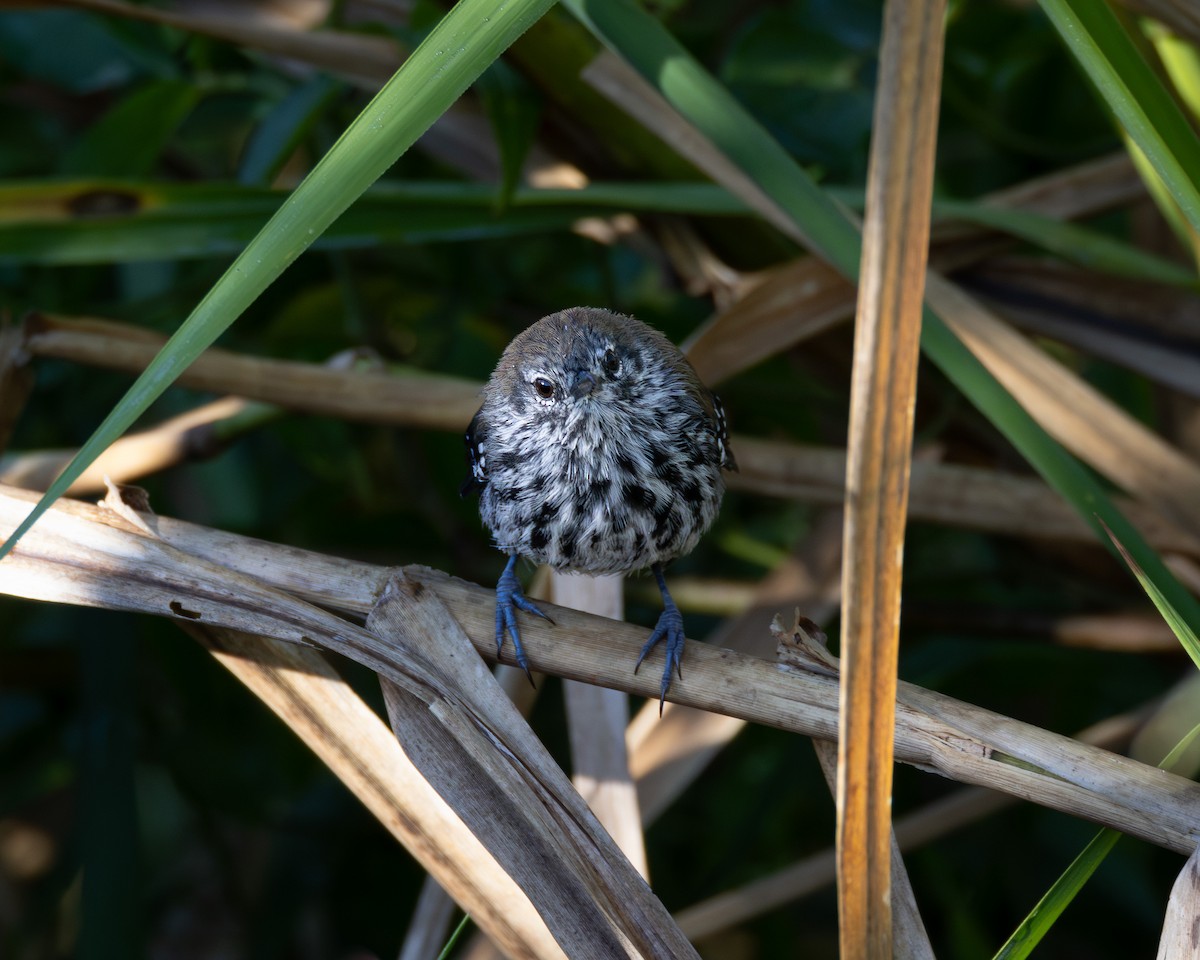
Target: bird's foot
{"type": "Point", "coordinates": [670, 629]}
{"type": "Point", "coordinates": [508, 598]}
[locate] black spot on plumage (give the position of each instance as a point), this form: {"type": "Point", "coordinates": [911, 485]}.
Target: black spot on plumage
{"type": "Point", "coordinates": [505, 460]}
{"type": "Point", "coordinates": [548, 511]}
{"type": "Point", "coordinates": [637, 496]}
{"type": "Point", "coordinates": [627, 464]}
{"type": "Point", "coordinates": [666, 531]}
{"type": "Point", "coordinates": [596, 492]}
{"type": "Point", "coordinates": [539, 538]}
{"type": "Point", "coordinates": [664, 519]}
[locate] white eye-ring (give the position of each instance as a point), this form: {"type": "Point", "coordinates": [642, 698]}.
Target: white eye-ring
{"type": "Point", "coordinates": [543, 387]}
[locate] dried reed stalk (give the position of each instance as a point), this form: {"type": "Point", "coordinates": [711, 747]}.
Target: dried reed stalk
{"type": "Point", "coordinates": [1181, 927]}
{"type": "Point", "coordinates": [299, 685]}
{"type": "Point", "coordinates": [89, 556]}
{"type": "Point", "coordinates": [887, 343]}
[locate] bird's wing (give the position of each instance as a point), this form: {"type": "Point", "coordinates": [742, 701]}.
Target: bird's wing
{"type": "Point", "coordinates": [476, 440]}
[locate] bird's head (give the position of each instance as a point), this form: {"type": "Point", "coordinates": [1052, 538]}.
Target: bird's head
{"type": "Point", "coordinates": [580, 363]}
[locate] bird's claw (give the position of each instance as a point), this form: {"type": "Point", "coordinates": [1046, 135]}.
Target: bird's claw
{"type": "Point", "coordinates": [670, 629]}
{"type": "Point", "coordinates": [508, 597]}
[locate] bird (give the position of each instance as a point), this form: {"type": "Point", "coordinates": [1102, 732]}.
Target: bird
{"type": "Point", "coordinates": [598, 450]}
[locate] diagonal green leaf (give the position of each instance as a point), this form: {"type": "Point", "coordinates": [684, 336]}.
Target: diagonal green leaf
{"type": "Point", "coordinates": [1066, 888]}
{"type": "Point", "coordinates": [1042, 917]}
{"type": "Point", "coordinates": [1135, 95]}
{"type": "Point", "coordinates": [1179, 626]}
{"type": "Point", "coordinates": [653, 52]}
{"type": "Point", "coordinates": [472, 35]}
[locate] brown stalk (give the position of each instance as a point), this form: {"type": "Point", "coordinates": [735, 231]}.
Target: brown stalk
{"type": "Point", "coordinates": [1179, 937]}
{"type": "Point", "coordinates": [300, 686]}
{"type": "Point", "coordinates": [668, 753]}
{"type": "Point", "coordinates": [90, 556]}
{"type": "Point", "coordinates": [882, 402]}
{"type": "Point", "coordinates": [1085, 422]}
{"type": "Point", "coordinates": [438, 402]}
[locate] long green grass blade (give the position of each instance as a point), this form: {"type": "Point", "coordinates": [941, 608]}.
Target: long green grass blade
{"type": "Point", "coordinates": [113, 221]}
{"type": "Point", "coordinates": [1135, 95]}
{"type": "Point", "coordinates": [1179, 626]}
{"type": "Point", "coordinates": [652, 51]}
{"type": "Point", "coordinates": [1041, 918]}
{"type": "Point", "coordinates": [472, 35]}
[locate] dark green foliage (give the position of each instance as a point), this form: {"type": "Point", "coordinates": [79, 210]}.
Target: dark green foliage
{"type": "Point", "coordinates": [179, 814]}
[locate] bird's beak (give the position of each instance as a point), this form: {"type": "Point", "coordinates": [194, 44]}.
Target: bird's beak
{"type": "Point", "coordinates": [582, 385]}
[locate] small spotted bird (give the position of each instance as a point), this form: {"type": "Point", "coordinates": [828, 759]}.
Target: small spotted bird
{"type": "Point", "coordinates": [597, 450]}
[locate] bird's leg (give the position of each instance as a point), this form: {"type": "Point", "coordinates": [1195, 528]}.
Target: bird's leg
{"type": "Point", "coordinates": [670, 628]}
{"type": "Point", "coordinates": [508, 596]}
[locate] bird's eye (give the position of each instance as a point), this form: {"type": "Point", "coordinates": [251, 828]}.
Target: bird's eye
{"type": "Point", "coordinates": [543, 388]}
{"type": "Point", "coordinates": [611, 362]}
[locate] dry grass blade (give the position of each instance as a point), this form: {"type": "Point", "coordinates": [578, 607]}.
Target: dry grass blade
{"type": "Point", "coordinates": [92, 557]}
{"type": "Point", "coordinates": [1158, 310]}
{"type": "Point", "coordinates": [471, 743]}
{"type": "Point", "coordinates": [624, 86]}
{"type": "Point", "coordinates": [430, 922]}
{"type": "Point", "coordinates": [1179, 937]}
{"type": "Point", "coordinates": [908, 937]}
{"type": "Point", "coordinates": [882, 403]}
{"type": "Point", "coordinates": [305, 691]}
{"type": "Point", "coordinates": [1181, 15]}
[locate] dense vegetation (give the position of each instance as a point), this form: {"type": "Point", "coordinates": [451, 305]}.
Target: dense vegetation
{"type": "Point", "coordinates": [151, 806]}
